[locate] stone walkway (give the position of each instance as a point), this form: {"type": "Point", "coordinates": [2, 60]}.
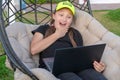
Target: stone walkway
{"type": "Point", "coordinates": [105, 6]}
{"type": "Point", "coordinates": [94, 6]}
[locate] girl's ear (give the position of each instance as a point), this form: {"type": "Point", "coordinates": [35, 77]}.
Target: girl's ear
{"type": "Point", "coordinates": [53, 15]}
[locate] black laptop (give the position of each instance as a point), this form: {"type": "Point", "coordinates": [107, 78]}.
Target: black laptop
{"type": "Point", "coordinates": [74, 59]}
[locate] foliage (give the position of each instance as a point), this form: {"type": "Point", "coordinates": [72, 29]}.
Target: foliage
{"type": "Point", "coordinates": [5, 73]}
{"type": "Point", "coordinates": [43, 1]}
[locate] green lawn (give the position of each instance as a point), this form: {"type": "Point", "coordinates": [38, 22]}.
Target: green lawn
{"type": "Point", "coordinates": [5, 73]}
{"type": "Point", "coordinates": [109, 18]}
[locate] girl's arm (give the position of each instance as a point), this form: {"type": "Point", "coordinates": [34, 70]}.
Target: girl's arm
{"type": "Point", "coordinates": [38, 44]}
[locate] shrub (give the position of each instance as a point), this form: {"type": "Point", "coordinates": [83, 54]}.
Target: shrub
{"type": "Point", "coordinates": [43, 1]}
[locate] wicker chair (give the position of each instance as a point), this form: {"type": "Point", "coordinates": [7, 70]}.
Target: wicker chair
{"type": "Point", "coordinates": [17, 42]}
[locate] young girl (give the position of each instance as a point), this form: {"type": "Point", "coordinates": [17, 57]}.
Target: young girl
{"type": "Point", "coordinates": [59, 34]}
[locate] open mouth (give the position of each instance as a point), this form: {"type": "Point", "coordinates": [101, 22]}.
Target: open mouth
{"type": "Point", "coordinates": [62, 24]}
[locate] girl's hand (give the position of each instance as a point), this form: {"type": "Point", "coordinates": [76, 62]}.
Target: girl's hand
{"type": "Point", "coordinates": [61, 31]}
{"type": "Point", "coordinates": [99, 66]}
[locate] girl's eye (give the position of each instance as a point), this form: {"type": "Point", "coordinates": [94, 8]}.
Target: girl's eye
{"type": "Point", "coordinates": [61, 14]}
{"type": "Point", "coordinates": [69, 17]}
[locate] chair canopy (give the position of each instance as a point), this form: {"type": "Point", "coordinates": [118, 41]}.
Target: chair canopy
{"type": "Point", "coordinates": [27, 11]}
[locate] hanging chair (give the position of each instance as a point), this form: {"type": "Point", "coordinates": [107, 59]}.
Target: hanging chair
{"type": "Point", "coordinates": [17, 22]}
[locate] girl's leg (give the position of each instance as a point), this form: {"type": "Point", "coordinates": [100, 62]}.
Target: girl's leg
{"type": "Point", "coordinates": [69, 76]}
{"type": "Point", "coordinates": [91, 74]}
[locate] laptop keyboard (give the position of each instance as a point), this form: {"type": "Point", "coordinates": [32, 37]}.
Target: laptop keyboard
{"type": "Point", "coordinates": [49, 63]}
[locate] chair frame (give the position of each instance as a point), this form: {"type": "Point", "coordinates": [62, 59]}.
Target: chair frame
{"type": "Point", "coordinates": [4, 22]}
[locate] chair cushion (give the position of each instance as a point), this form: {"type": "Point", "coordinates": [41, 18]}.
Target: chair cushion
{"type": "Point", "coordinates": [20, 39]}
{"type": "Point", "coordinates": [95, 33]}
{"type": "Point", "coordinates": [41, 74]}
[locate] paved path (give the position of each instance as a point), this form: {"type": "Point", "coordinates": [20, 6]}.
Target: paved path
{"type": "Point", "coordinates": [105, 6]}
{"type": "Point", "coordinates": [93, 7]}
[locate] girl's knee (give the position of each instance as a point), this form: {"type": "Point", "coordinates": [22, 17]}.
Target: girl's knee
{"type": "Point", "coordinates": [91, 74]}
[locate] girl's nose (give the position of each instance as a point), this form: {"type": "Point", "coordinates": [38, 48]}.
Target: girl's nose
{"type": "Point", "coordinates": [64, 19]}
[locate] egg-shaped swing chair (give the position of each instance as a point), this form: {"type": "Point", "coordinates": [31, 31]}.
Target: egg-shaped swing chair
{"type": "Point", "coordinates": [18, 19]}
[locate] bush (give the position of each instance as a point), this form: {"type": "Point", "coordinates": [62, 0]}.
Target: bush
{"type": "Point", "coordinates": [43, 1]}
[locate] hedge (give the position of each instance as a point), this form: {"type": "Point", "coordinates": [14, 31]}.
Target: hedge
{"type": "Point", "coordinates": [43, 1]}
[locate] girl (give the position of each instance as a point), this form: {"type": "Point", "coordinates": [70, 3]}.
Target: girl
{"type": "Point", "coordinates": [59, 34]}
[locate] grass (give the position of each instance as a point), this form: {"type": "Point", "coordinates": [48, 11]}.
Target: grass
{"type": "Point", "coordinates": [114, 15]}
{"type": "Point", "coordinates": [30, 17]}
{"type": "Point", "coordinates": [5, 73]}
{"type": "Point", "coordinates": [1, 49]}
{"type": "Point", "coordinates": [109, 18]}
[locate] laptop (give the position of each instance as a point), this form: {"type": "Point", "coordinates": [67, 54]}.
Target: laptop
{"type": "Point", "coordinates": [74, 59]}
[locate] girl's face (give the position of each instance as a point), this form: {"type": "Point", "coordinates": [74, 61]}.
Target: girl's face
{"type": "Point", "coordinates": [63, 18]}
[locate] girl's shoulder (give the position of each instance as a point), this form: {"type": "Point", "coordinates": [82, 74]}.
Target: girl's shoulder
{"type": "Point", "coordinates": [41, 29]}
{"type": "Point", "coordinates": [75, 30]}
